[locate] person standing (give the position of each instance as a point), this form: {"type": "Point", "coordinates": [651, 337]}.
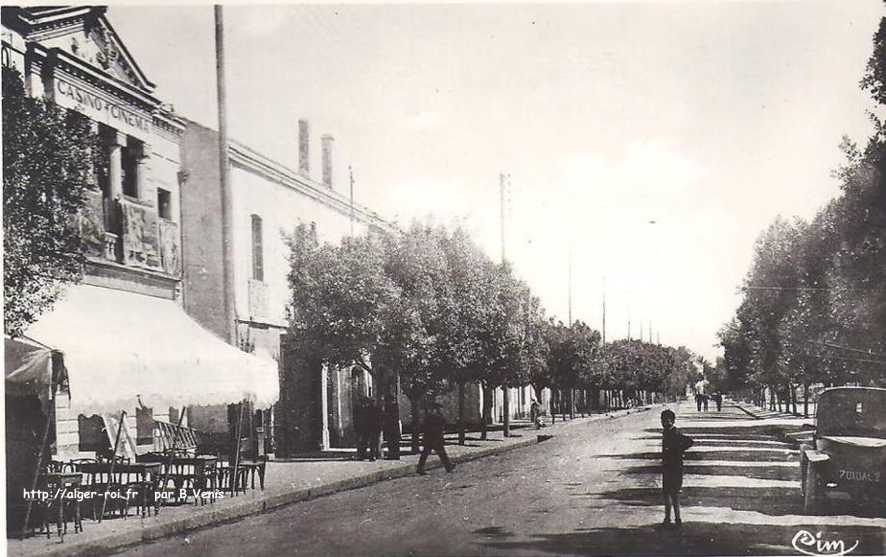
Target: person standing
{"type": "Point", "coordinates": [433, 428]}
{"type": "Point", "coordinates": [373, 429]}
{"type": "Point", "coordinates": [361, 424]}
{"type": "Point", "coordinates": [535, 414]}
{"type": "Point", "coordinates": [391, 427]}
{"type": "Point", "coordinates": [673, 445]}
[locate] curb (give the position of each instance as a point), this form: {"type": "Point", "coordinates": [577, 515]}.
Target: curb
{"type": "Point", "coordinates": [122, 540]}
{"type": "Point", "coordinates": [741, 407]}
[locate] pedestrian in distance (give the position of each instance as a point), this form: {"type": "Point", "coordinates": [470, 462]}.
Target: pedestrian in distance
{"type": "Point", "coordinates": [718, 398]}
{"type": "Point", "coordinates": [535, 414]}
{"type": "Point", "coordinates": [698, 401]}
{"type": "Point", "coordinates": [433, 428]}
{"type": "Point", "coordinates": [704, 402]}
{"type": "Point", "coordinates": [373, 429]}
{"type": "Point", "coordinates": [361, 426]}
{"type": "Point", "coordinates": [673, 445]}
{"type": "Point", "coordinates": [391, 428]}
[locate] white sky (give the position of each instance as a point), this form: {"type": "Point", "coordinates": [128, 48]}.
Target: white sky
{"type": "Point", "coordinates": [709, 118]}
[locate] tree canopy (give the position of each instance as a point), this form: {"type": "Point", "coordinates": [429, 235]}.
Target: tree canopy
{"type": "Point", "coordinates": [48, 165]}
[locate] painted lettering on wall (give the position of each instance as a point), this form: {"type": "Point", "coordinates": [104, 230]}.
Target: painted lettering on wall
{"type": "Point", "coordinates": [115, 111]}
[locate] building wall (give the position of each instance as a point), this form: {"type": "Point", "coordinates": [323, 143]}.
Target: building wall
{"type": "Point", "coordinates": [281, 209]}
{"type": "Point", "coordinates": [202, 269]}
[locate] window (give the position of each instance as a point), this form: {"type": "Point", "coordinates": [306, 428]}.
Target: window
{"type": "Point", "coordinates": [164, 211]}
{"type": "Point", "coordinates": [130, 155]}
{"type": "Point", "coordinates": [258, 271]}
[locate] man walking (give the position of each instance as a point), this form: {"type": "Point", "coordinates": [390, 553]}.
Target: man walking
{"type": "Point", "coordinates": [373, 429]}
{"type": "Point", "coordinates": [361, 427]}
{"type": "Point", "coordinates": [433, 428]}
{"type": "Point", "coordinates": [673, 445]}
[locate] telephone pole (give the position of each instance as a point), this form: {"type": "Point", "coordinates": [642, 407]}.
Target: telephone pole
{"type": "Point", "coordinates": [351, 173]}
{"type": "Point", "coordinates": [225, 180]}
{"type": "Point", "coordinates": [604, 310]}
{"type": "Point", "coordinates": [569, 285]}
{"type": "Point", "coordinates": [506, 395]}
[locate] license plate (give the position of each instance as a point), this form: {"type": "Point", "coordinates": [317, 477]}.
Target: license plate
{"type": "Point", "coordinates": [858, 476]}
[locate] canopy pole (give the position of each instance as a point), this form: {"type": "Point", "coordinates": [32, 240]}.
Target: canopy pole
{"type": "Point", "coordinates": [37, 471]}
{"type": "Point", "coordinates": [113, 461]}
{"type": "Point", "coordinates": [181, 417]}
{"type": "Point", "coordinates": [237, 447]}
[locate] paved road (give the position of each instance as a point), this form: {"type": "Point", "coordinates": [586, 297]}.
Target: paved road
{"type": "Point", "coordinates": [592, 490]}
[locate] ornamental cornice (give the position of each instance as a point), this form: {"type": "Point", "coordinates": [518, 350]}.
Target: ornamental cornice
{"type": "Point", "coordinates": [56, 57]}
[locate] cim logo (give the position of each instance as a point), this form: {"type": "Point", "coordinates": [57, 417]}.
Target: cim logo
{"type": "Point", "coordinates": [808, 543]}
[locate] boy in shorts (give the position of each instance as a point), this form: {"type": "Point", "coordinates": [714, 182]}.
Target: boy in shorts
{"type": "Point", "coordinates": [673, 445]}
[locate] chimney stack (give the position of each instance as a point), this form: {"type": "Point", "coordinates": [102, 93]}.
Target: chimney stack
{"type": "Point", "coordinates": [326, 143]}
{"type": "Point", "coordinates": [304, 151]}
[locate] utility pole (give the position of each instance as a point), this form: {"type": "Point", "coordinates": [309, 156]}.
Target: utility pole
{"type": "Point", "coordinates": [569, 285]}
{"type": "Point", "coordinates": [225, 180]}
{"type": "Point", "coordinates": [604, 310]}
{"type": "Point", "coordinates": [506, 395]}
{"type": "Point", "coordinates": [351, 173]}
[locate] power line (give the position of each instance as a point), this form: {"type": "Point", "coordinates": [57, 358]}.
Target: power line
{"type": "Point", "coordinates": [847, 348]}
{"type": "Point", "coordinates": [859, 360]}
{"type": "Point", "coordinates": [803, 288]}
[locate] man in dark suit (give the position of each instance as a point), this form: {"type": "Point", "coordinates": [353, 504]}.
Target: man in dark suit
{"type": "Point", "coordinates": [373, 429]}
{"type": "Point", "coordinates": [432, 429]}
{"type": "Point", "coordinates": [673, 445]}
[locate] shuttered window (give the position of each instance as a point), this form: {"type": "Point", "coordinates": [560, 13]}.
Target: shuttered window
{"type": "Point", "coordinates": [258, 270]}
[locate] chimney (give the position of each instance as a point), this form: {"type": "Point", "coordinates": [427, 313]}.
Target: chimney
{"type": "Point", "coordinates": [326, 145]}
{"type": "Point", "coordinates": [304, 151]}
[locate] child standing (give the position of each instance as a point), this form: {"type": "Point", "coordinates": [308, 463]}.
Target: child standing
{"type": "Point", "coordinates": [673, 445]}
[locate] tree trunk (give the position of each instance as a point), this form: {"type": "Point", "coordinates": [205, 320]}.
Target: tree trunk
{"type": "Point", "coordinates": [488, 393]}
{"type": "Point", "coordinates": [413, 443]}
{"type": "Point", "coordinates": [461, 413]}
{"type": "Point", "coordinates": [793, 393]}
{"type": "Point", "coordinates": [506, 410]}
{"type": "Point", "coordinates": [805, 400]}
{"type": "Point", "coordinates": [572, 404]}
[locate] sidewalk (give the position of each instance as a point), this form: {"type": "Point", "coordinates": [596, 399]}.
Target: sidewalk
{"type": "Point", "coordinates": [761, 413]}
{"type": "Point", "coordinates": [287, 482]}
{"type": "Point", "coordinates": [789, 428]}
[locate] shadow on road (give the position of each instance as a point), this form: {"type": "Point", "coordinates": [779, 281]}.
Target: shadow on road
{"type": "Point", "coordinates": [695, 538]}
{"type": "Point", "coordinates": [755, 472]}
{"type": "Point", "coordinates": [773, 501]}
{"type": "Point", "coordinates": [774, 455]}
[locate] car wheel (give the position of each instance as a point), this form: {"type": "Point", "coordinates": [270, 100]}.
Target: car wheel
{"type": "Point", "coordinates": [810, 489]}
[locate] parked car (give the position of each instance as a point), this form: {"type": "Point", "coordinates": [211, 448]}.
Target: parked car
{"type": "Point", "coordinates": [848, 450]}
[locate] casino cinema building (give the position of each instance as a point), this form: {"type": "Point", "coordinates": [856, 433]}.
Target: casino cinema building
{"type": "Point", "coordinates": [119, 344]}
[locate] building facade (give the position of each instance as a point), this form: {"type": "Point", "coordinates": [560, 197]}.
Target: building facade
{"type": "Point", "coordinates": [269, 200]}
{"type": "Point", "coordinates": [129, 348]}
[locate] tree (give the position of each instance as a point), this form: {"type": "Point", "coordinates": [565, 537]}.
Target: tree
{"type": "Point", "coordinates": [49, 155]}
{"type": "Point", "coordinates": [413, 339]}
{"type": "Point", "coordinates": [340, 297]}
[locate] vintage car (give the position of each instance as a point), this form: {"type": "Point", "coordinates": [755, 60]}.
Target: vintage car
{"type": "Point", "coordinates": [848, 450]}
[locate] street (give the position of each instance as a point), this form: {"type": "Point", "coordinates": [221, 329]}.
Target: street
{"type": "Point", "coordinates": [591, 490]}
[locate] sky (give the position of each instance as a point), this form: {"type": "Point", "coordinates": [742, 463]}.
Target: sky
{"type": "Point", "coordinates": [653, 142]}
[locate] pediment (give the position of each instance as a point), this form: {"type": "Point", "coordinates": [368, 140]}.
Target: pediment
{"type": "Point", "coordinates": [86, 33]}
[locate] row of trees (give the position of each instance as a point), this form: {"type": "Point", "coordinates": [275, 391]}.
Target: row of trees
{"type": "Point", "coordinates": [814, 305]}
{"type": "Point", "coordinates": [427, 310]}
